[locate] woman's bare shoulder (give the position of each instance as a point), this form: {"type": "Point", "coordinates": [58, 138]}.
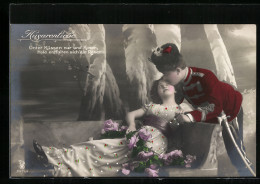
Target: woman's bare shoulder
{"type": "Point", "coordinates": [186, 107]}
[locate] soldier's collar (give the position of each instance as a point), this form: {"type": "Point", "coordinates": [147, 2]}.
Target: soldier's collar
{"type": "Point", "coordinates": [188, 76]}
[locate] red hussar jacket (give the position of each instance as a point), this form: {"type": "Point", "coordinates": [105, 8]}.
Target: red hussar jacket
{"type": "Point", "coordinates": [209, 96]}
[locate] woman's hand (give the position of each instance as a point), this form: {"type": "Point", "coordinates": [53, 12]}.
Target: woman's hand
{"type": "Point", "coordinates": [182, 118]}
{"type": "Point", "coordinates": [131, 128]}
{"type": "Point", "coordinates": [181, 111]}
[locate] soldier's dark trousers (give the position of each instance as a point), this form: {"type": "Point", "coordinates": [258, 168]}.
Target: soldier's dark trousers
{"type": "Point", "coordinates": [236, 128]}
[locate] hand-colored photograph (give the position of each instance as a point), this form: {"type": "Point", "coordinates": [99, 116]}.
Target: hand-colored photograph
{"type": "Point", "coordinates": [132, 100]}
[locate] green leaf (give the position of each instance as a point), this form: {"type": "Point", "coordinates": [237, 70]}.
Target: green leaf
{"type": "Point", "coordinates": [142, 163]}
{"type": "Point", "coordinates": [178, 161]}
{"type": "Point", "coordinates": [155, 157]}
{"type": "Point", "coordinates": [146, 149]}
{"type": "Point", "coordinates": [135, 152]}
{"type": "Point", "coordinates": [113, 134]}
{"type": "Point", "coordinates": [140, 143]}
{"type": "Point", "coordinates": [140, 168]}
{"type": "Point", "coordinates": [130, 134]}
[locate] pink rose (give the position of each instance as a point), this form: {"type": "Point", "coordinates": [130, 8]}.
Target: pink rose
{"type": "Point", "coordinates": [123, 128]}
{"type": "Point", "coordinates": [125, 171]}
{"type": "Point", "coordinates": [187, 165]}
{"type": "Point", "coordinates": [189, 159]}
{"type": "Point", "coordinates": [153, 166]}
{"type": "Point", "coordinates": [176, 153]}
{"type": "Point", "coordinates": [125, 165]}
{"type": "Point", "coordinates": [109, 125]}
{"type": "Point", "coordinates": [161, 156]}
{"type": "Point", "coordinates": [128, 167]}
{"type": "Point", "coordinates": [132, 142]}
{"type": "Point", "coordinates": [151, 172]}
{"type": "Point", "coordinates": [167, 158]}
{"type": "Point", "coordinates": [144, 134]}
{"type": "Point", "coordinates": [144, 156]}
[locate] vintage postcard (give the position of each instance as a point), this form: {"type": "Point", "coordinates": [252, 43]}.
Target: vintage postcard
{"type": "Point", "coordinates": [132, 100]}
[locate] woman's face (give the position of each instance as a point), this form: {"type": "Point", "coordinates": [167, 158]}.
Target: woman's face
{"type": "Point", "coordinates": [165, 89]}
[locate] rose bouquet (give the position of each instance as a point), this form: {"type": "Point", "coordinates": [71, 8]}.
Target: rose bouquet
{"type": "Point", "coordinates": [144, 159]}
{"type": "Point", "coordinates": [112, 130]}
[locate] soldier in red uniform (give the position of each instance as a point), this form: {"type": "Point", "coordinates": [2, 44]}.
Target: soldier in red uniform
{"type": "Point", "coordinates": [209, 97]}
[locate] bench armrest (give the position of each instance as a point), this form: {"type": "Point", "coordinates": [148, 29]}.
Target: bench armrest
{"type": "Point", "coordinates": [199, 139]}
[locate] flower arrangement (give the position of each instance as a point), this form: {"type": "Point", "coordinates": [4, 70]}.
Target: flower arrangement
{"type": "Point", "coordinates": [112, 130]}
{"type": "Point", "coordinates": [146, 160]}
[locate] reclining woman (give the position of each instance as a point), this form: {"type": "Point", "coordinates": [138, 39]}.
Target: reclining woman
{"type": "Point", "coordinates": [105, 157]}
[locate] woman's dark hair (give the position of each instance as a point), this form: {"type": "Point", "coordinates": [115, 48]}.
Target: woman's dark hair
{"type": "Point", "coordinates": [155, 97]}
{"type": "Point", "coordinates": [167, 58]}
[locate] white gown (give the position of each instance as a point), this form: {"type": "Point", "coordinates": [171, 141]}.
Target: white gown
{"type": "Point", "coordinates": [104, 157]}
